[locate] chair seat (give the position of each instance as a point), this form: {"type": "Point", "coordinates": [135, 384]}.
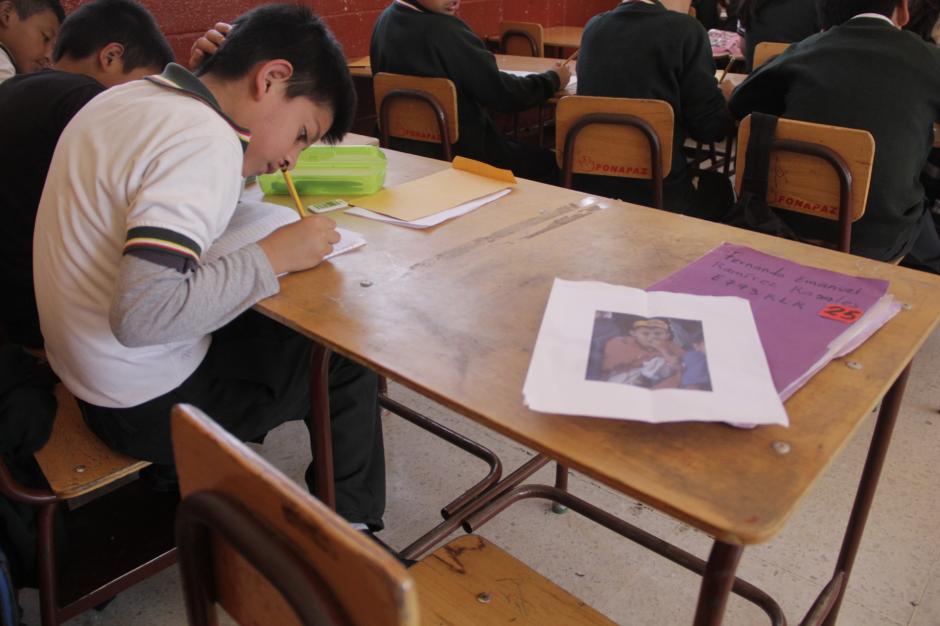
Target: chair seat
{"type": "Point", "coordinates": [74, 461]}
{"type": "Point", "coordinates": [472, 581]}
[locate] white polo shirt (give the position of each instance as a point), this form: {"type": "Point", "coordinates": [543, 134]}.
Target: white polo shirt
{"type": "Point", "coordinates": [7, 67]}
{"type": "Point", "coordinates": [148, 164]}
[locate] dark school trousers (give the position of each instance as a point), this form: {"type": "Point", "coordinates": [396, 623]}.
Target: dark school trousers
{"type": "Point", "coordinates": [256, 376]}
{"type": "Point", "coordinates": [925, 253]}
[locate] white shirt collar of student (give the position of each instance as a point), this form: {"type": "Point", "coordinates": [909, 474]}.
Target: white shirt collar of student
{"type": "Point", "coordinates": [409, 5]}
{"type": "Point", "coordinates": [177, 77]}
{"type": "Point", "coordinates": [877, 16]}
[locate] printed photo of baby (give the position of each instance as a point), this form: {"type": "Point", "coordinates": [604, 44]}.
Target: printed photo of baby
{"type": "Point", "coordinates": [653, 353]}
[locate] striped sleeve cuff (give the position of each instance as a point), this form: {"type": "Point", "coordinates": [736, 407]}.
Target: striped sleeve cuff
{"type": "Point", "coordinates": [161, 239]}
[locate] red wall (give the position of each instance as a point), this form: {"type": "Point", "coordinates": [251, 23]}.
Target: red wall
{"type": "Point", "coordinates": [352, 20]}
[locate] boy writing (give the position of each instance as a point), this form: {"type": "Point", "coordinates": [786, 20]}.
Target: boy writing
{"type": "Point", "coordinates": [134, 321]}
{"type": "Point", "coordinates": [643, 50]}
{"type": "Point", "coordinates": [864, 72]}
{"type": "Point", "coordinates": [426, 38]}
{"type": "Point", "coordinates": [27, 31]}
{"type": "Point", "coordinates": [102, 44]}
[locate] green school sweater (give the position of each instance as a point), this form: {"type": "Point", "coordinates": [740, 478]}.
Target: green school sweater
{"type": "Point", "coordinates": [863, 74]}
{"type": "Point", "coordinates": [783, 21]}
{"type": "Point", "coordinates": [421, 43]}
{"type": "Point", "coordinates": [641, 50]}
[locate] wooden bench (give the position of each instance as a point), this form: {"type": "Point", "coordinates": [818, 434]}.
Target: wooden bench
{"type": "Point", "coordinates": [113, 541]}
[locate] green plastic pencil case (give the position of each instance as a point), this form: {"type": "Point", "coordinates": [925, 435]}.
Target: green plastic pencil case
{"type": "Point", "coordinates": [332, 171]}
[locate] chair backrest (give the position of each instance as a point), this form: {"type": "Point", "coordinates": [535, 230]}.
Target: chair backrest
{"type": "Point", "coordinates": [815, 169]}
{"type": "Point", "coordinates": [525, 39]}
{"type": "Point", "coordinates": [256, 543]}
{"type": "Point", "coordinates": [623, 137]}
{"type": "Point", "coordinates": [680, 6]}
{"type": "Point", "coordinates": [417, 108]}
{"type": "Point", "coordinates": [766, 51]}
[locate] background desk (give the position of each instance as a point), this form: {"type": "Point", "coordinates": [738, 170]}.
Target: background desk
{"type": "Point", "coordinates": [454, 312]}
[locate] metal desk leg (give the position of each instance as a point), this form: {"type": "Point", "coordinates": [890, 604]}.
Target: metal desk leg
{"type": "Point", "coordinates": [880, 440]}
{"type": "Point", "coordinates": [716, 583]}
{"type": "Point", "coordinates": [321, 436]}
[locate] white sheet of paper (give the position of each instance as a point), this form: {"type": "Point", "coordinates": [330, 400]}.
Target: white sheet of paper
{"type": "Point", "coordinates": [742, 390]}
{"type": "Point", "coordinates": [431, 220]}
{"type": "Point", "coordinates": [253, 221]}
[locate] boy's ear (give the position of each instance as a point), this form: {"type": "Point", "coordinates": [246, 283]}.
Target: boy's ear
{"type": "Point", "coordinates": [7, 10]}
{"type": "Point", "coordinates": [902, 13]}
{"type": "Point", "coordinates": [111, 58]}
{"type": "Point", "coordinates": [272, 74]}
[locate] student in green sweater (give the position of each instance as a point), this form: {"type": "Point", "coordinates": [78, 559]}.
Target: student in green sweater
{"type": "Point", "coordinates": [426, 38]}
{"type": "Point", "coordinates": [783, 21]}
{"type": "Point", "coordinates": [864, 72]}
{"type": "Point", "coordinates": [643, 50]}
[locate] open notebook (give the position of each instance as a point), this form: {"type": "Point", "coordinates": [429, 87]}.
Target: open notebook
{"type": "Point", "coordinates": [253, 221]}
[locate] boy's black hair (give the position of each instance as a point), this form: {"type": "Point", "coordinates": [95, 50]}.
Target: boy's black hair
{"type": "Point", "coordinates": [924, 15]}
{"type": "Point", "coordinates": [94, 25]}
{"type": "Point", "coordinates": [28, 8]}
{"type": "Point", "coordinates": [835, 12]}
{"type": "Point", "coordinates": [297, 35]}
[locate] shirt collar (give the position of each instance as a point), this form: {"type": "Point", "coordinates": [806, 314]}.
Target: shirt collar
{"type": "Point", "coordinates": [876, 16]}
{"type": "Point", "coordinates": [177, 77]}
{"type": "Point", "coordinates": [10, 56]}
{"type": "Point", "coordinates": [414, 6]}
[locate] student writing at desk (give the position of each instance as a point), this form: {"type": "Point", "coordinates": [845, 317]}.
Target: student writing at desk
{"type": "Point", "coordinates": [426, 38]}
{"type": "Point", "coordinates": [643, 50]}
{"type": "Point", "coordinates": [864, 72]}
{"type": "Point", "coordinates": [134, 320]}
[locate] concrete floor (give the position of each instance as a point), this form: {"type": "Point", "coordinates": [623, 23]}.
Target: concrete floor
{"type": "Point", "coordinates": [896, 580]}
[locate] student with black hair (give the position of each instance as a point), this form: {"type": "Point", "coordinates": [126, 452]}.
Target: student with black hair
{"type": "Point", "coordinates": [27, 31]}
{"type": "Point", "coordinates": [782, 21]}
{"type": "Point", "coordinates": [143, 180]}
{"type": "Point", "coordinates": [641, 49]}
{"type": "Point", "coordinates": [426, 38]}
{"type": "Point", "coordinates": [864, 72]}
{"type": "Point", "coordinates": [102, 44]}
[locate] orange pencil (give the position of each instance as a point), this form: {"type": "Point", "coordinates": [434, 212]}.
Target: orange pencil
{"type": "Point", "coordinates": [293, 193]}
{"type": "Point", "coordinates": [574, 55]}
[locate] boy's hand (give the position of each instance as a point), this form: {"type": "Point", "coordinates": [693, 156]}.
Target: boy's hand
{"type": "Point", "coordinates": [564, 74]}
{"type": "Point", "coordinates": [301, 245]}
{"type": "Point", "coordinates": [208, 44]}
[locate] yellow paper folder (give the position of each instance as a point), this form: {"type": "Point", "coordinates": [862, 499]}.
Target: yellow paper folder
{"type": "Point", "coordinates": [464, 181]}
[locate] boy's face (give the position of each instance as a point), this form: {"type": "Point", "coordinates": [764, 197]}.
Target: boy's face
{"type": "Point", "coordinates": [284, 127]}
{"type": "Point", "coordinates": [650, 337]}
{"type": "Point", "coordinates": [447, 7]}
{"type": "Point", "coordinates": [30, 40]}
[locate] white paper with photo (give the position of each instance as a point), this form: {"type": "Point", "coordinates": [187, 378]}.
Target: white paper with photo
{"type": "Point", "coordinates": [720, 336]}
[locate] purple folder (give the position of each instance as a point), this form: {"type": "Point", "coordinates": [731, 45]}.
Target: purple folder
{"type": "Point", "coordinates": [786, 299]}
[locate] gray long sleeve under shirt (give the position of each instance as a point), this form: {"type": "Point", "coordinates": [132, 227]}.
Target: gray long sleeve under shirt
{"type": "Point", "coordinates": [153, 304]}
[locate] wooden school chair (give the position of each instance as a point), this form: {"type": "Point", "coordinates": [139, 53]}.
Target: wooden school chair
{"type": "Point", "coordinates": [524, 39]}
{"type": "Point", "coordinates": [112, 542]}
{"type": "Point", "coordinates": [261, 547]}
{"type": "Point", "coordinates": [623, 137]}
{"type": "Point", "coordinates": [417, 108]}
{"type": "Point", "coordinates": [817, 170]}
{"type": "Point", "coordinates": [767, 51]}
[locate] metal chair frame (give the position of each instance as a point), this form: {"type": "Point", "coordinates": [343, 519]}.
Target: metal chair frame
{"type": "Point", "coordinates": [632, 121]}
{"type": "Point", "coordinates": [414, 94]}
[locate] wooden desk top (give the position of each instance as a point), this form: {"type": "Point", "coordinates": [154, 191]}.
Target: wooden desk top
{"type": "Point", "coordinates": [563, 36]}
{"type": "Point", "coordinates": [454, 312]}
